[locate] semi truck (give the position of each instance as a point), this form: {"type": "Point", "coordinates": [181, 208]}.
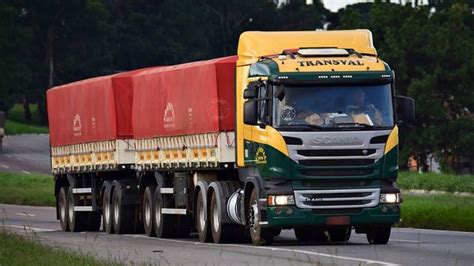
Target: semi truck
{"type": "Point", "coordinates": [297, 131]}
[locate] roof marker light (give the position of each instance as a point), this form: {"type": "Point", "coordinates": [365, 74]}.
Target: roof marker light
{"type": "Point", "coordinates": [322, 52]}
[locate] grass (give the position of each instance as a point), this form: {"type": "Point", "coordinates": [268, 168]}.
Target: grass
{"type": "Point", "coordinates": [16, 123]}
{"type": "Point", "coordinates": [17, 250]}
{"type": "Point", "coordinates": [444, 212]}
{"type": "Point", "coordinates": [27, 189]}
{"type": "Point", "coordinates": [439, 182]}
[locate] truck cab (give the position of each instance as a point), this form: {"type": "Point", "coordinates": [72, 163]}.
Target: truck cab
{"type": "Point", "coordinates": [319, 129]}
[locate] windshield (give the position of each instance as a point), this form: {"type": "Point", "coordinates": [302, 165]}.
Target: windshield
{"type": "Point", "coordinates": [333, 106]}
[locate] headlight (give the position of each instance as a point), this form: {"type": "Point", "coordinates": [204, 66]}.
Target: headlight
{"type": "Point", "coordinates": [390, 198]}
{"type": "Point", "coordinates": [274, 200]}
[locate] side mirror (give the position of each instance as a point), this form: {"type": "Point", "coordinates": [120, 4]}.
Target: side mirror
{"type": "Point", "coordinates": [250, 93]}
{"type": "Point", "coordinates": [405, 109]}
{"type": "Point", "coordinates": [250, 112]}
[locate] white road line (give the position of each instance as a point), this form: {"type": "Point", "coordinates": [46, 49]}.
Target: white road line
{"type": "Point", "coordinates": [26, 172]}
{"type": "Point", "coordinates": [25, 214]}
{"type": "Point", "coordinates": [391, 239]}
{"type": "Point", "coordinates": [274, 249]}
{"type": "Point", "coordinates": [29, 228]}
{"type": "Point", "coordinates": [4, 166]}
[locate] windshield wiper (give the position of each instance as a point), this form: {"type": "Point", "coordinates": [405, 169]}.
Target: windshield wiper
{"type": "Point", "coordinates": [353, 124]}
{"type": "Point", "coordinates": [300, 127]}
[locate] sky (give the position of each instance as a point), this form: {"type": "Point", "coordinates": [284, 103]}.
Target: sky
{"type": "Point", "coordinates": [335, 5]}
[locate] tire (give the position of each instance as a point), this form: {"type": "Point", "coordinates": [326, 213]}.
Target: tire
{"type": "Point", "coordinates": [379, 235]}
{"type": "Point", "coordinates": [148, 211]}
{"type": "Point", "coordinates": [183, 226]}
{"type": "Point", "coordinates": [260, 236]}
{"type": "Point", "coordinates": [165, 224]}
{"type": "Point", "coordinates": [306, 234]}
{"type": "Point", "coordinates": [107, 210]}
{"type": "Point", "coordinates": [94, 221]}
{"type": "Point", "coordinates": [221, 233]}
{"type": "Point", "coordinates": [303, 234]}
{"type": "Point", "coordinates": [202, 219]}
{"type": "Point", "coordinates": [123, 215]}
{"type": "Point", "coordinates": [77, 221]}
{"type": "Point", "coordinates": [340, 233]}
{"type": "Point", "coordinates": [63, 208]}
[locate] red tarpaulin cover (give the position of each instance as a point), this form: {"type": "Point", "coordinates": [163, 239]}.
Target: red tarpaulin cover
{"type": "Point", "coordinates": [81, 112]}
{"type": "Point", "coordinates": [185, 99]}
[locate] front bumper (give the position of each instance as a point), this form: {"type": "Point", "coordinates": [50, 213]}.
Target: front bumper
{"type": "Point", "coordinates": [381, 214]}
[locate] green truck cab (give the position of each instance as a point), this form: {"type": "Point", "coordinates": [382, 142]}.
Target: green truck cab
{"type": "Point", "coordinates": [320, 134]}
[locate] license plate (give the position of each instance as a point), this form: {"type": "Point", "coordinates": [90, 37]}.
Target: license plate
{"type": "Point", "coordinates": [338, 220]}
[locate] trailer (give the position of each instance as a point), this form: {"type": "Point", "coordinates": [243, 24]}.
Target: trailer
{"type": "Point", "coordinates": [298, 131]}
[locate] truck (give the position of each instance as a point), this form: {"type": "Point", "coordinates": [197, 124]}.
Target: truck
{"type": "Point", "coordinates": [297, 131]}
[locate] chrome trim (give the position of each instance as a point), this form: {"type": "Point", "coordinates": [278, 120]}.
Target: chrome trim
{"type": "Point", "coordinates": [374, 198]}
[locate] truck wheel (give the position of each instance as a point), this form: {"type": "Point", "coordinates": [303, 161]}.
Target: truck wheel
{"type": "Point", "coordinates": [63, 208]}
{"type": "Point", "coordinates": [77, 221]}
{"type": "Point", "coordinates": [221, 233]}
{"type": "Point", "coordinates": [148, 209]}
{"type": "Point", "coordinates": [259, 235]}
{"type": "Point", "coordinates": [310, 233]}
{"type": "Point", "coordinates": [107, 210]}
{"type": "Point", "coordinates": [183, 226]}
{"type": "Point", "coordinates": [165, 224]}
{"type": "Point", "coordinates": [123, 215]}
{"type": "Point", "coordinates": [303, 234]}
{"type": "Point", "coordinates": [340, 233]}
{"type": "Point", "coordinates": [379, 234]}
{"type": "Point", "coordinates": [94, 221]}
{"type": "Point", "coordinates": [202, 221]}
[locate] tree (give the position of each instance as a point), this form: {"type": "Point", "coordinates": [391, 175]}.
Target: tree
{"type": "Point", "coordinates": [433, 60]}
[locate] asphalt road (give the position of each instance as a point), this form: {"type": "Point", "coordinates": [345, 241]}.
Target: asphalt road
{"type": "Point", "coordinates": [25, 154]}
{"type": "Point", "coordinates": [30, 153]}
{"type": "Point", "coordinates": [406, 246]}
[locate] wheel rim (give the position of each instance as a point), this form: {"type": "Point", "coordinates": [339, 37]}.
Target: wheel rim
{"type": "Point", "coordinates": [254, 218]}
{"type": "Point", "coordinates": [71, 209]}
{"type": "Point", "coordinates": [215, 217]}
{"type": "Point", "coordinates": [106, 210]}
{"type": "Point", "coordinates": [147, 212]}
{"type": "Point", "coordinates": [202, 221]}
{"type": "Point", "coordinates": [63, 210]}
{"type": "Point", "coordinates": [158, 213]}
{"type": "Point", "coordinates": [116, 210]}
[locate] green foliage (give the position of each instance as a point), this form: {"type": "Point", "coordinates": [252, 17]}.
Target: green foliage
{"type": "Point", "coordinates": [432, 56]}
{"type": "Point", "coordinates": [51, 42]}
{"type": "Point", "coordinates": [18, 250]}
{"type": "Point", "coordinates": [444, 212]}
{"type": "Point", "coordinates": [17, 124]}
{"type": "Point", "coordinates": [27, 189]}
{"type": "Point", "coordinates": [438, 182]}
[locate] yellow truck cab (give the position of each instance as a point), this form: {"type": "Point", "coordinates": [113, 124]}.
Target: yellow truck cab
{"type": "Point", "coordinates": [316, 133]}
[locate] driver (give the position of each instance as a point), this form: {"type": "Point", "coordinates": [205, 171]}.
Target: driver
{"type": "Point", "coordinates": [360, 107]}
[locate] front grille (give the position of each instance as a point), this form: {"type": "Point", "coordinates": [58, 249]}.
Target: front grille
{"type": "Point", "coordinates": [346, 152]}
{"type": "Point", "coordinates": [337, 172]}
{"type": "Point", "coordinates": [337, 198]}
{"type": "Point", "coordinates": [336, 183]}
{"type": "Point", "coordinates": [333, 162]}
{"type": "Point", "coordinates": [337, 211]}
